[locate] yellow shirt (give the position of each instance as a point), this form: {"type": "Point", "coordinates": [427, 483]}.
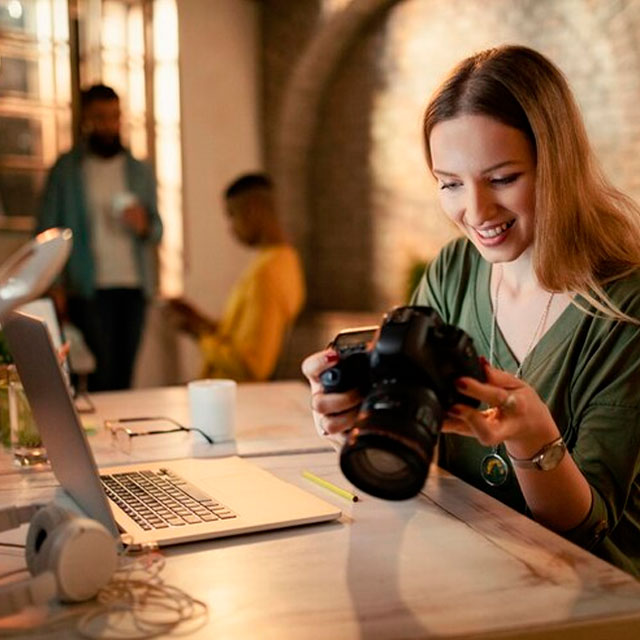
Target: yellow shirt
{"type": "Point", "coordinates": [262, 306]}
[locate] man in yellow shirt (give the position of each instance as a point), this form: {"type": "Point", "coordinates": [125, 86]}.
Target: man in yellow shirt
{"type": "Point", "coordinates": [245, 343]}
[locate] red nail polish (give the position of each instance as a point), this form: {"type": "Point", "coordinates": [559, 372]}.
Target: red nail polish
{"type": "Point", "coordinates": [331, 357]}
{"type": "Point", "coordinates": [460, 384]}
{"type": "Point", "coordinates": [483, 361]}
{"type": "Point", "coordinates": [454, 411]}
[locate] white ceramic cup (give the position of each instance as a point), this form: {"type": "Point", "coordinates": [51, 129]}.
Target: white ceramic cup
{"type": "Point", "coordinates": [212, 408]}
{"type": "Point", "coordinates": [122, 201]}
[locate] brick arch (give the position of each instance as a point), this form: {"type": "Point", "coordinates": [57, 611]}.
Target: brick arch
{"type": "Point", "coordinates": [301, 104]}
{"type": "Point", "coordinates": [598, 46]}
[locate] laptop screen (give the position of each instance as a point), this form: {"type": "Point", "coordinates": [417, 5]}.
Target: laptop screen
{"type": "Point", "coordinates": [71, 458]}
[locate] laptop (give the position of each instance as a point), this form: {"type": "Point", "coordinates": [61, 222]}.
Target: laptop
{"type": "Point", "coordinates": [166, 502]}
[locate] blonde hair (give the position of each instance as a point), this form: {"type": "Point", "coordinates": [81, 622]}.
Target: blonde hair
{"type": "Point", "coordinates": [587, 233]}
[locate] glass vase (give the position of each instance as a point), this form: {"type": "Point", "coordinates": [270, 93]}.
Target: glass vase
{"type": "Point", "coordinates": [18, 429]}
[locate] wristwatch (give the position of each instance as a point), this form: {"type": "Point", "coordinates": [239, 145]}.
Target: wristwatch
{"type": "Point", "coordinates": [547, 459]}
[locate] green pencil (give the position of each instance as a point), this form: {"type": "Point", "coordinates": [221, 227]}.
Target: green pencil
{"type": "Point", "coordinates": [329, 486]}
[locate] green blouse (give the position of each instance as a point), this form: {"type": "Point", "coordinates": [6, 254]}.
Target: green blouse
{"type": "Point", "coordinates": [587, 371]}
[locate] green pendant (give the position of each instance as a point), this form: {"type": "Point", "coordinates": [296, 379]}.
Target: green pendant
{"type": "Point", "coordinates": [494, 469]}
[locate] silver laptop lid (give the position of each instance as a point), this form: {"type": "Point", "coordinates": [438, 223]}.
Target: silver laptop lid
{"type": "Point", "coordinates": [71, 458]}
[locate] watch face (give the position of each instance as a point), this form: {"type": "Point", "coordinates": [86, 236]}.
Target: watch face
{"type": "Point", "coordinates": [551, 458]}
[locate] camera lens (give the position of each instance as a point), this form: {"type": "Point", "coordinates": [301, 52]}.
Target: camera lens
{"type": "Point", "coordinates": [383, 472]}
{"type": "Point", "coordinates": [388, 452]}
{"type": "Point", "coordinates": [385, 462]}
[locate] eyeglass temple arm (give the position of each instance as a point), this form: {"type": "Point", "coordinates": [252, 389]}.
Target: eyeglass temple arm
{"type": "Point", "coordinates": [208, 438]}
{"type": "Point", "coordinates": [145, 419]}
{"type": "Point", "coordinates": [181, 427]}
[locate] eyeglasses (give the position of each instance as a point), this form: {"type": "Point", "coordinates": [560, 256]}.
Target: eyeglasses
{"type": "Point", "coordinates": [122, 435]}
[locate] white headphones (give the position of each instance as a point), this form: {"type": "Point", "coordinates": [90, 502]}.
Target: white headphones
{"type": "Point", "coordinates": [69, 557]}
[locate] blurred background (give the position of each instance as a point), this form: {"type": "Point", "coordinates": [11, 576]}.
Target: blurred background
{"type": "Point", "coordinates": [326, 95]}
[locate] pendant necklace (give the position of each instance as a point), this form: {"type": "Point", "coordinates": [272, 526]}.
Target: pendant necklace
{"type": "Point", "coordinates": [494, 468]}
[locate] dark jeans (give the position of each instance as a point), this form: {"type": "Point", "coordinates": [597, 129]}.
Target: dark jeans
{"type": "Point", "coordinates": [111, 323]}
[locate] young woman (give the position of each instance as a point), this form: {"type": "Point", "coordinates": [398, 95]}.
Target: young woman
{"type": "Point", "coordinates": [546, 282]}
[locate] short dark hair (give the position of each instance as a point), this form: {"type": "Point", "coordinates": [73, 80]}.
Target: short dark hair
{"type": "Point", "coordinates": [95, 93]}
{"type": "Point", "coordinates": [248, 182]}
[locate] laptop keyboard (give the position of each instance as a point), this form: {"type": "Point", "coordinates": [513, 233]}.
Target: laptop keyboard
{"type": "Point", "coordinates": [161, 499]}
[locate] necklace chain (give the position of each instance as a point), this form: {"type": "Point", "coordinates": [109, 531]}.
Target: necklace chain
{"type": "Point", "coordinates": [534, 337]}
{"type": "Point", "coordinates": [493, 468]}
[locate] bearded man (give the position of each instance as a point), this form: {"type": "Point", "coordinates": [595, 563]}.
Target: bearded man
{"type": "Point", "coordinates": [108, 199]}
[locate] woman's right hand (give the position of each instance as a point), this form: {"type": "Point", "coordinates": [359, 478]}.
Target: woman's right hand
{"type": "Point", "coordinates": [333, 413]}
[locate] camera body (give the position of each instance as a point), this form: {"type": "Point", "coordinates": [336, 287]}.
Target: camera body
{"type": "Point", "coordinates": [406, 372]}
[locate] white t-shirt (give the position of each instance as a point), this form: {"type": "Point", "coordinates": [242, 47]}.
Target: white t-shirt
{"type": "Point", "coordinates": [106, 189]}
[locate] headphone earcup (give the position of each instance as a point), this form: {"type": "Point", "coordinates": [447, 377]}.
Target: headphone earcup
{"type": "Point", "coordinates": [79, 552]}
{"type": "Point", "coordinates": [41, 528]}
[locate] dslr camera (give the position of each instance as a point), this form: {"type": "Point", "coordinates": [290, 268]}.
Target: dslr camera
{"type": "Point", "coordinates": [405, 370]}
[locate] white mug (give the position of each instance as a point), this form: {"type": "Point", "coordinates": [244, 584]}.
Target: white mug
{"type": "Point", "coordinates": [122, 201]}
{"type": "Point", "coordinates": [212, 408]}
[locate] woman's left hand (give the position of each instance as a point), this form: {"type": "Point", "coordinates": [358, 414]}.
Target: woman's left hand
{"type": "Point", "coordinates": [517, 416]}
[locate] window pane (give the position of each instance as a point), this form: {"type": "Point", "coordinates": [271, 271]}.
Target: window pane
{"type": "Point", "coordinates": [21, 136]}
{"type": "Point", "coordinates": [114, 27]}
{"type": "Point", "coordinates": [63, 74]}
{"type": "Point", "coordinates": [60, 20]}
{"type": "Point", "coordinates": [19, 77]}
{"type": "Point", "coordinates": [18, 16]}
{"type": "Point", "coordinates": [19, 192]}
{"type": "Point", "coordinates": [35, 97]}
{"type": "Point", "coordinates": [136, 32]}
{"type": "Point", "coordinates": [165, 30]}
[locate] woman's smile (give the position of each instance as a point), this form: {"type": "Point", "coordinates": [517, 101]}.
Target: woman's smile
{"type": "Point", "coordinates": [495, 234]}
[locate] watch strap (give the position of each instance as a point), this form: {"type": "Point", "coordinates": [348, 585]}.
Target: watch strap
{"type": "Point", "coordinates": [537, 459]}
